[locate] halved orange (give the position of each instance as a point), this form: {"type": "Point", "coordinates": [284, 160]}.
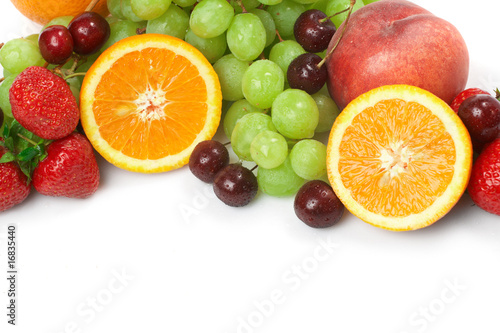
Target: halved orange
{"type": "Point", "coordinates": [398, 157]}
{"type": "Point", "coordinates": [148, 100]}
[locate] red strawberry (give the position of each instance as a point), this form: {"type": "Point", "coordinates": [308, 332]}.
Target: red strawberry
{"type": "Point", "coordinates": [484, 184]}
{"type": "Point", "coordinates": [70, 168]}
{"type": "Point", "coordinates": [464, 95]}
{"type": "Point", "coordinates": [14, 185]}
{"type": "Point", "coordinates": [42, 103]}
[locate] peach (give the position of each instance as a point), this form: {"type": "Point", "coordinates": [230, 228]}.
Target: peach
{"type": "Point", "coordinates": [396, 42]}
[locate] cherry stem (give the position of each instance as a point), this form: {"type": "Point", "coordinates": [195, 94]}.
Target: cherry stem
{"type": "Point", "coordinates": [351, 6]}
{"type": "Point", "coordinates": [227, 143]}
{"type": "Point", "coordinates": [1, 80]}
{"type": "Point", "coordinates": [91, 5]}
{"type": "Point", "coordinates": [330, 17]}
{"type": "Point", "coordinates": [255, 167]}
{"type": "Point", "coordinates": [74, 75]}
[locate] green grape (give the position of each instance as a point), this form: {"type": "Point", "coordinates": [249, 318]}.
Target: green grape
{"type": "Point", "coordinates": [270, 2]}
{"type": "Point", "coordinates": [262, 82]}
{"type": "Point", "coordinates": [174, 22]}
{"type": "Point", "coordinates": [33, 38]}
{"type": "Point", "coordinates": [18, 54]}
{"type": "Point", "coordinates": [4, 95]}
{"type": "Point", "coordinates": [230, 71]}
{"type": "Point", "coordinates": [120, 30]}
{"type": "Point", "coordinates": [249, 5]}
{"type": "Point", "coordinates": [211, 18]}
{"type": "Point", "coordinates": [307, 2]}
{"type": "Point", "coordinates": [5, 72]}
{"type": "Point", "coordinates": [283, 53]}
{"type": "Point", "coordinates": [74, 86]}
{"type": "Point", "coordinates": [61, 20]}
{"type": "Point", "coordinates": [115, 8]}
{"type": "Point", "coordinates": [112, 19]}
{"type": "Point", "coordinates": [149, 9]}
{"type": "Point", "coordinates": [128, 13]}
{"type": "Point", "coordinates": [308, 158]}
{"type": "Point", "coordinates": [246, 36]}
{"type": "Point", "coordinates": [295, 114]}
{"type": "Point", "coordinates": [269, 149]}
{"type": "Point", "coordinates": [84, 66]}
{"type": "Point", "coordinates": [336, 6]}
{"type": "Point", "coordinates": [184, 3]}
{"type": "Point", "coordinates": [268, 22]}
{"type": "Point", "coordinates": [235, 112]}
{"type": "Point", "coordinates": [245, 131]}
{"type": "Point", "coordinates": [285, 14]}
{"type": "Point", "coordinates": [320, 4]}
{"type": "Point", "coordinates": [328, 112]}
{"type": "Point", "coordinates": [280, 181]}
{"type": "Point", "coordinates": [212, 48]}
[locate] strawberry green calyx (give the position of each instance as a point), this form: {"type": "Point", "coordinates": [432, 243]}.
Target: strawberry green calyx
{"type": "Point", "coordinates": [22, 147]}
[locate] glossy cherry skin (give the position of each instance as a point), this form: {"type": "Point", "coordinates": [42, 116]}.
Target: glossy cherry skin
{"type": "Point", "coordinates": [90, 32]}
{"type": "Point", "coordinates": [56, 44]}
{"type": "Point", "coordinates": [207, 159]}
{"type": "Point", "coordinates": [481, 115]}
{"type": "Point", "coordinates": [235, 185]}
{"type": "Point", "coordinates": [305, 73]}
{"type": "Point", "coordinates": [317, 205]}
{"type": "Point", "coordinates": [313, 30]}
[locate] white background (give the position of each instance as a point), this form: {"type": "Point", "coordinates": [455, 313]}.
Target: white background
{"type": "Point", "coordinates": [159, 253]}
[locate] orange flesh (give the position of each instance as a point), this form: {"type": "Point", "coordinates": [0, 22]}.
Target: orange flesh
{"type": "Point", "coordinates": [404, 166]}
{"type": "Point", "coordinates": [160, 108]}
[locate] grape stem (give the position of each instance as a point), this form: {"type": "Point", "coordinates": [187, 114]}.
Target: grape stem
{"type": "Point", "coordinates": [351, 6]}
{"type": "Point", "coordinates": [91, 5]}
{"type": "Point", "coordinates": [240, 3]}
{"type": "Point", "coordinates": [279, 36]}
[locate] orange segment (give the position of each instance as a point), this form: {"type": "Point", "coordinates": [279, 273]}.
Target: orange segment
{"type": "Point", "coordinates": [398, 157]}
{"type": "Point", "coordinates": [148, 100]}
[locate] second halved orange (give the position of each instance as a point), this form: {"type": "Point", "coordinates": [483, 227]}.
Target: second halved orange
{"type": "Point", "coordinates": [399, 157]}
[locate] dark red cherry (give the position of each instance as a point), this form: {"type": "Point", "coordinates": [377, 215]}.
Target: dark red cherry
{"type": "Point", "coordinates": [235, 185]}
{"type": "Point", "coordinates": [481, 115]}
{"type": "Point", "coordinates": [305, 73]}
{"type": "Point", "coordinates": [90, 32]}
{"type": "Point", "coordinates": [313, 30]}
{"type": "Point", "coordinates": [207, 159]}
{"type": "Point", "coordinates": [56, 44]}
{"type": "Point", "coordinates": [317, 205]}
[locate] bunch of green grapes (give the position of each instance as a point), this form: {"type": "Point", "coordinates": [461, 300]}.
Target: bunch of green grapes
{"type": "Point", "coordinates": [250, 44]}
